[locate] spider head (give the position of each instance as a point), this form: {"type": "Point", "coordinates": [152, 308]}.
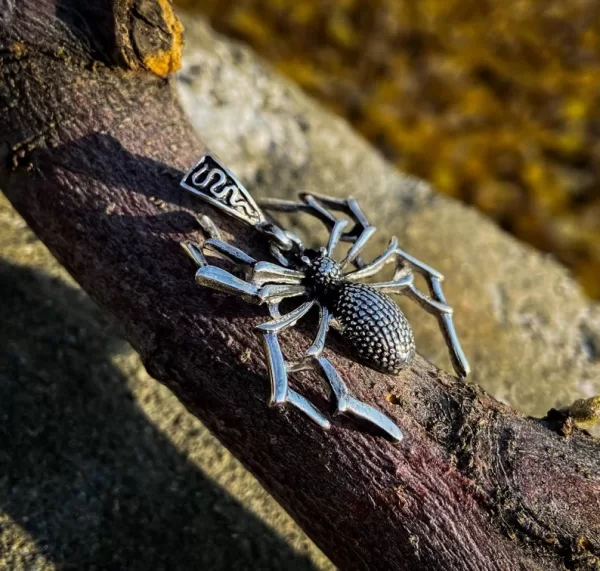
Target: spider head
{"type": "Point", "coordinates": [323, 274]}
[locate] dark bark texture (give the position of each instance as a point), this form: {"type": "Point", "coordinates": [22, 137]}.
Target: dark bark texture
{"type": "Point", "coordinates": [92, 146]}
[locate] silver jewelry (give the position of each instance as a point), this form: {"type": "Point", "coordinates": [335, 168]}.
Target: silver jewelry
{"type": "Point", "coordinates": [374, 327]}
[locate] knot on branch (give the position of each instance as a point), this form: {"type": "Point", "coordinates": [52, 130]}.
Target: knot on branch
{"type": "Point", "coordinates": [149, 35]}
{"type": "Point", "coordinates": [583, 414]}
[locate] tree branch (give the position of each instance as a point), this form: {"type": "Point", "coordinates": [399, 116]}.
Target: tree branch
{"type": "Point", "coordinates": [93, 144]}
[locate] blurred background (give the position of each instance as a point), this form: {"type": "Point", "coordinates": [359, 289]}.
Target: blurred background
{"type": "Point", "coordinates": [494, 103]}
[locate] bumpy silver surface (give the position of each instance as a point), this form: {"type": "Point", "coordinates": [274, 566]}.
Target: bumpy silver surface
{"type": "Point", "coordinates": [323, 275]}
{"type": "Point", "coordinates": [374, 326]}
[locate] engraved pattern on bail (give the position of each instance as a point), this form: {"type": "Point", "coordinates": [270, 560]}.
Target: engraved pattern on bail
{"type": "Point", "coordinates": [209, 178]}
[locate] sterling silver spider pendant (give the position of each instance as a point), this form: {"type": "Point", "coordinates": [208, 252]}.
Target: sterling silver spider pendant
{"type": "Point", "coordinates": [373, 326]}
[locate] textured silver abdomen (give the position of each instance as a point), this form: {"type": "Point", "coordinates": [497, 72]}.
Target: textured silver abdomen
{"type": "Point", "coordinates": [374, 326]}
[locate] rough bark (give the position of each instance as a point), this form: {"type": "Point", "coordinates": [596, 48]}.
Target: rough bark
{"type": "Point", "coordinates": [93, 144]}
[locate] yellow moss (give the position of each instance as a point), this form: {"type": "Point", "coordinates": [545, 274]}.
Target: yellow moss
{"type": "Point", "coordinates": [340, 31]}
{"type": "Point", "coordinates": [575, 109]}
{"type": "Point", "coordinates": [444, 179]}
{"type": "Point", "coordinates": [250, 26]}
{"type": "Point", "coordinates": [496, 198]}
{"type": "Point", "coordinates": [165, 62]}
{"type": "Point", "coordinates": [585, 412]}
{"type": "Point", "coordinates": [587, 274]}
{"type": "Point", "coordinates": [301, 72]}
{"type": "Point", "coordinates": [302, 13]}
{"type": "Point", "coordinates": [17, 49]}
{"type": "Point", "coordinates": [496, 102]}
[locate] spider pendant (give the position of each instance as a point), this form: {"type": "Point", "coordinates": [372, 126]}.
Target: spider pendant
{"type": "Point", "coordinates": [375, 329]}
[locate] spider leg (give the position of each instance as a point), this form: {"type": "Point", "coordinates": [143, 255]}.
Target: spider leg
{"type": "Point", "coordinates": [281, 393]}
{"type": "Point", "coordinates": [308, 206]}
{"type": "Point", "coordinates": [208, 227]}
{"type": "Point", "coordinates": [435, 303]}
{"type": "Point", "coordinates": [287, 285]}
{"type": "Point", "coordinates": [353, 254]}
{"type": "Point", "coordinates": [343, 401]}
{"type": "Point", "coordinates": [266, 272]}
{"type": "Point", "coordinates": [308, 360]}
{"type": "Point", "coordinates": [457, 355]}
{"type": "Point", "coordinates": [258, 291]}
{"type": "Point", "coordinates": [230, 252]}
{"type": "Point", "coordinates": [335, 235]}
{"type": "Point", "coordinates": [194, 251]}
{"type": "Point", "coordinates": [318, 345]}
{"type": "Point", "coordinates": [321, 207]}
{"type": "Point", "coordinates": [348, 206]}
{"type": "Point", "coordinates": [358, 235]}
{"type": "Point", "coordinates": [347, 404]}
{"type": "Point", "coordinates": [221, 280]}
{"type": "Point", "coordinates": [405, 286]}
{"type": "Point", "coordinates": [388, 255]}
{"type": "Point", "coordinates": [274, 293]}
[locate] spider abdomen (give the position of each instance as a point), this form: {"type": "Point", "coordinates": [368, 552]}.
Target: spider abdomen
{"type": "Point", "coordinates": [374, 326]}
